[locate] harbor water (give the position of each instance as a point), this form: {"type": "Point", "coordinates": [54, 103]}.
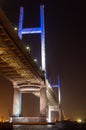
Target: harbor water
{"type": "Point", "coordinates": [33, 127]}
{"type": "Point", "coordinates": [56, 126]}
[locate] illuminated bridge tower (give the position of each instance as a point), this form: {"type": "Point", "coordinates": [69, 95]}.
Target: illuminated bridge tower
{"type": "Point", "coordinates": [21, 31]}
{"type": "Point", "coordinates": [35, 30]}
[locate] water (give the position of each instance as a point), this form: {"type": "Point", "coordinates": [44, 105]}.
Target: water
{"type": "Point", "coordinates": [33, 127]}
{"type": "Point", "coordinates": [57, 126]}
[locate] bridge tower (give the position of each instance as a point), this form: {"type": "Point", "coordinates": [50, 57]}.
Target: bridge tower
{"type": "Point", "coordinates": [56, 108]}
{"type": "Point", "coordinates": [17, 94]}
{"type": "Point", "coordinates": [45, 110]}
{"type": "Point", "coordinates": [35, 30]}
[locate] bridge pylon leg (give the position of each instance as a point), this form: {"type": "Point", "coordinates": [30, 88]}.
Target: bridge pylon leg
{"type": "Point", "coordinates": [43, 104]}
{"type": "Point", "coordinates": [17, 102]}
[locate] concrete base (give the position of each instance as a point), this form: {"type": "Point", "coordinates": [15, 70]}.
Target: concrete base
{"type": "Point", "coordinates": [27, 119]}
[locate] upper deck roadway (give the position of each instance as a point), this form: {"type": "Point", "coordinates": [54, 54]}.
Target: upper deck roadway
{"type": "Point", "coordinates": [17, 64]}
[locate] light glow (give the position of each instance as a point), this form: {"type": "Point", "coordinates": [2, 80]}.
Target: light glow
{"type": "Point", "coordinates": [35, 60]}
{"type": "Point", "coordinates": [15, 28]}
{"type": "Point", "coordinates": [28, 48]}
{"type": "Point", "coordinates": [79, 120]}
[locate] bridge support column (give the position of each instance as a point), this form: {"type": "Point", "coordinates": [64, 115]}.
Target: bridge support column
{"type": "Point", "coordinates": [54, 109]}
{"type": "Point", "coordinates": [60, 114]}
{"type": "Point", "coordinates": [43, 103]}
{"type": "Point", "coordinates": [17, 102]}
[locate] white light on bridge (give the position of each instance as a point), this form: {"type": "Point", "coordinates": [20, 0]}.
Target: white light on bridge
{"type": "Point", "coordinates": [28, 48]}
{"type": "Point", "coordinates": [35, 60]}
{"type": "Point", "coordinates": [15, 28]}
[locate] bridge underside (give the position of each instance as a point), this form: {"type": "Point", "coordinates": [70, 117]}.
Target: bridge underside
{"type": "Point", "coordinates": [16, 62]}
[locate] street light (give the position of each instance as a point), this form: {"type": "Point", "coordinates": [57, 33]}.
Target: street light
{"type": "Point", "coordinates": [15, 28]}
{"type": "Point", "coordinates": [28, 48]}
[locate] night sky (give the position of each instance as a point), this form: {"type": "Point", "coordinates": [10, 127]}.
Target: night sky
{"type": "Point", "coordinates": [65, 38]}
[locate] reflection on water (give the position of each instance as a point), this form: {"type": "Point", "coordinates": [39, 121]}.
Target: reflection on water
{"type": "Point", "coordinates": [68, 125]}
{"type": "Point", "coordinates": [32, 127]}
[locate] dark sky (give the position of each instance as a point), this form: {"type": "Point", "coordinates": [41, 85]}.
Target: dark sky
{"type": "Point", "coordinates": [65, 37]}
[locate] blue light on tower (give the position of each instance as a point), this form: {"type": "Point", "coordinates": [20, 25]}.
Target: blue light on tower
{"type": "Point", "coordinates": [40, 29]}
